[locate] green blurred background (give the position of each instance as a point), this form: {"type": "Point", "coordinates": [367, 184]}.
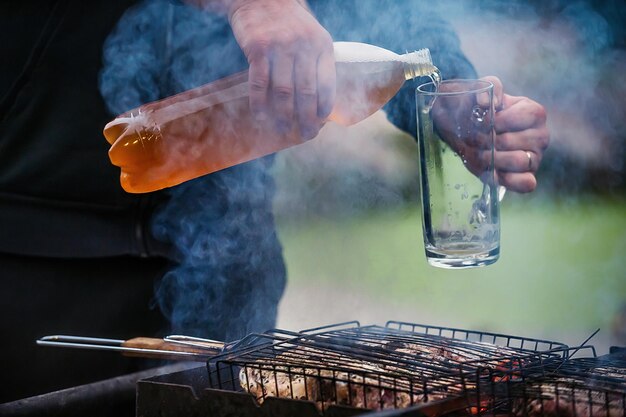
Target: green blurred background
{"type": "Point", "coordinates": [349, 217]}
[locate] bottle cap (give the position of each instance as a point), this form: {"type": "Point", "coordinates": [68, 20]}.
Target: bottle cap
{"type": "Point", "coordinates": [418, 64]}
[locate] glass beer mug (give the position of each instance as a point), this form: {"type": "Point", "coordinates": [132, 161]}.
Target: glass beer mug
{"type": "Point", "coordinates": [459, 193]}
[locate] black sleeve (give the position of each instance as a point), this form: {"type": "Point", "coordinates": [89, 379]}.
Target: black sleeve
{"type": "Point", "coordinates": [400, 26]}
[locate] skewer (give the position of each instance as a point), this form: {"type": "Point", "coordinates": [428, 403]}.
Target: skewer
{"type": "Point", "coordinates": [569, 355]}
{"type": "Point", "coordinates": [140, 346]}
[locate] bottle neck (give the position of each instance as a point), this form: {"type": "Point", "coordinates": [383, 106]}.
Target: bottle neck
{"type": "Point", "coordinates": [419, 64]}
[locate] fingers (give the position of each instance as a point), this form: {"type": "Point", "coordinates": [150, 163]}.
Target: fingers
{"type": "Point", "coordinates": [517, 161]}
{"type": "Point", "coordinates": [326, 83]}
{"type": "Point", "coordinates": [259, 81]}
{"type": "Point", "coordinates": [498, 91]}
{"type": "Point", "coordinates": [290, 89]}
{"type": "Point", "coordinates": [522, 136]}
{"type": "Point", "coordinates": [282, 91]}
{"type": "Point", "coordinates": [535, 139]}
{"type": "Point", "coordinates": [519, 113]}
{"type": "Point", "coordinates": [305, 75]}
{"type": "Point", "coordinates": [516, 170]}
{"type": "Point", "coordinates": [516, 166]}
{"type": "Point", "coordinates": [292, 66]}
{"type": "Point", "coordinates": [519, 182]}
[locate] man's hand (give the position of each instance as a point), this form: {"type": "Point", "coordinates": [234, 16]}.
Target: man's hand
{"type": "Point", "coordinates": [521, 138]}
{"type": "Point", "coordinates": [521, 135]}
{"type": "Point", "coordinates": [292, 65]}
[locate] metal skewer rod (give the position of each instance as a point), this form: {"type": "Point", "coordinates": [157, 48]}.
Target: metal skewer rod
{"type": "Point", "coordinates": [95, 343]}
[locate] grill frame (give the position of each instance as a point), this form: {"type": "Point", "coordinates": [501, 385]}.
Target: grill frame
{"type": "Point", "coordinates": [257, 358]}
{"type": "Point", "coordinates": [515, 342]}
{"type": "Point", "coordinates": [175, 395]}
{"type": "Point", "coordinates": [586, 386]}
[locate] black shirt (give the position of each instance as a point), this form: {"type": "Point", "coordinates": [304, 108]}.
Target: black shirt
{"type": "Point", "coordinates": [59, 194]}
{"type": "Point", "coordinates": [72, 66]}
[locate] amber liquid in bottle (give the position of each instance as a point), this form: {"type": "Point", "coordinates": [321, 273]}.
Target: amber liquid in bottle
{"type": "Point", "coordinates": [209, 128]}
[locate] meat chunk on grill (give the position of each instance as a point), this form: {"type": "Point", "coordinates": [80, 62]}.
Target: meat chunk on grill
{"type": "Point", "coordinates": [326, 377]}
{"type": "Point", "coordinates": [326, 387]}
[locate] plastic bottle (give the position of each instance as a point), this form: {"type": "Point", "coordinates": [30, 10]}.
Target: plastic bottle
{"type": "Point", "coordinates": [209, 128]}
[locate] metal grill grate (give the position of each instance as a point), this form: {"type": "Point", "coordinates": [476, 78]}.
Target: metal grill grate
{"type": "Point", "coordinates": [326, 375]}
{"type": "Point", "coordinates": [580, 387]}
{"type": "Point", "coordinates": [550, 395]}
{"type": "Point", "coordinates": [515, 342]}
{"type": "Point", "coordinates": [368, 366]}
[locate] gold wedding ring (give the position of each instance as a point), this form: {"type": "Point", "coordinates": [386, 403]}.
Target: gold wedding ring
{"type": "Point", "coordinates": [530, 160]}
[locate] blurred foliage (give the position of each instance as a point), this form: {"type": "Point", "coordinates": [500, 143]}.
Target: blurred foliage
{"type": "Point", "coordinates": [560, 274]}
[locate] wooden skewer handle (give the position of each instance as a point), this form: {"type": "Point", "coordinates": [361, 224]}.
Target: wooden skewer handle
{"type": "Point", "coordinates": [157, 348]}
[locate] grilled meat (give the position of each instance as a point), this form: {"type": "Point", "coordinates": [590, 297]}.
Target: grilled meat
{"type": "Point", "coordinates": [372, 381]}
{"type": "Point", "coordinates": [370, 371]}
{"type": "Point", "coordinates": [326, 387]}
{"type": "Point", "coordinates": [564, 397]}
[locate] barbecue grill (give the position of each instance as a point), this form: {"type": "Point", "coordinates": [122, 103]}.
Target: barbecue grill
{"type": "Point", "coordinates": [346, 369]}
{"type": "Point", "coordinates": [400, 369]}
{"type": "Point", "coordinates": [369, 367]}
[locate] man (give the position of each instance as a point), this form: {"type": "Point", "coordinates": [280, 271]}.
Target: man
{"type": "Point", "coordinates": [80, 256]}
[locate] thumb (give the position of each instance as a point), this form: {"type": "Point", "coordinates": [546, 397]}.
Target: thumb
{"type": "Point", "coordinates": [498, 90]}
